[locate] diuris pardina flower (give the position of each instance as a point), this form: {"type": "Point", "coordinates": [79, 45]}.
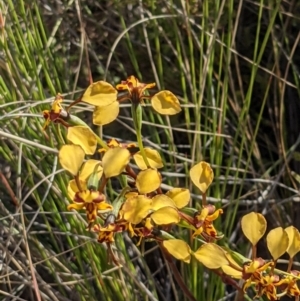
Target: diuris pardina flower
{"type": "Point", "coordinates": [83, 189]}
{"type": "Point", "coordinates": [163, 102]}
{"type": "Point", "coordinates": [92, 201]}
{"type": "Point", "coordinates": [57, 114]}
{"type": "Point", "coordinates": [135, 89]}
{"type": "Point", "coordinates": [267, 286]}
{"type": "Point", "coordinates": [203, 222]}
{"type": "Point", "coordinates": [111, 226]}
{"type": "Point", "coordinates": [290, 286]}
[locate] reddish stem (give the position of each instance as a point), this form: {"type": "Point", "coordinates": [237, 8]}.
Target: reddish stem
{"type": "Point", "coordinates": [78, 183]}
{"type": "Point", "coordinates": [177, 275]}
{"type": "Point", "coordinates": [73, 103]}
{"type": "Point", "coordinates": [103, 184]}
{"type": "Point", "coordinates": [204, 199]}
{"type": "Point", "coordinates": [10, 191]}
{"type": "Point", "coordinates": [130, 172]}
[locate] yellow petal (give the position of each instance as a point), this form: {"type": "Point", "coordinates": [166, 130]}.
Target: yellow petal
{"type": "Point", "coordinates": [230, 271]}
{"type": "Point", "coordinates": [148, 180]}
{"type": "Point", "coordinates": [100, 93]}
{"type": "Point", "coordinates": [106, 114]}
{"type": "Point", "coordinates": [211, 255]}
{"type": "Point", "coordinates": [294, 240]}
{"type": "Point", "coordinates": [104, 207]}
{"type": "Point", "coordinates": [114, 161]}
{"type": "Point", "coordinates": [254, 226]}
{"type": "Point", "coordinates": [83, 136]}
{"type": "Point", "coordinates": [166, 216]}
{"type": "Point", "coordinates": [160, 201]}
{"type": "Point", "coordinates": [71, 158]}
{"type": "Point", "coordinates": [75, 206]}
{"type": "Point", "coordinates": [131, 194]}
{"type": "Point", "coordinates": [165, 103]}
{"type": "Point", "coordinates": [135, 209]}
{"type": "Point", "coordinates": [89, 167]}
{"type": "Point", "coordinates": [202, 175]}
{"type": "Point", "coordinates": [153, 157]}
{"type": "Point", "coordinates": [179, 249]}
{"type": "Point", "coordinates": [277, 242]}
{"type": "Point", "coordinates": [180, 196]}
{"type": "Point", "coordinates": [72, 188]}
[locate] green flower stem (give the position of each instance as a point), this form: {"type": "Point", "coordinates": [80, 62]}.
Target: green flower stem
{"type": "Point", "coordinates": [74, 120]}
{"type": "Point", "coordinates": [123, 181]}
{"type": "Point", "coordinates": [118, 202]}
{"type": "Point", "coordinates": [93, 180]}
{"type": "Point", "coordinates": [136, 111]}
{"type": "Point", "coordinates": [166, 235]}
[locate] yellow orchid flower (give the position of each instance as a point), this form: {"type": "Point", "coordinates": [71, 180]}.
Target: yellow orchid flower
{"type": "Point", "coordinates": [135, 89]}
{"type": "Point", "coordinates": [111, 226]}
{"type": "Point", "coordinates": [203, 222]}
{"type": "Point", "coordinates": [57, 114]}
{"type": "Point", "coordinates": [92, 202]}
{"type": "Point", "coordinates": [164, 102]}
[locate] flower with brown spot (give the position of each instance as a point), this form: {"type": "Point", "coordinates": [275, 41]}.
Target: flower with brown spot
{"type": "Point", "coordinates": [57, 114]}
{"type": "Point", "coordinates": [92, 201]}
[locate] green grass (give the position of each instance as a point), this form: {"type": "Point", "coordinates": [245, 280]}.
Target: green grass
{"type": "Point", "coordinates": [233, 65]}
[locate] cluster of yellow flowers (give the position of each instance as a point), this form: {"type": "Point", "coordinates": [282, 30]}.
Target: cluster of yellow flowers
{"type": "Point", "coordinates": [142, 208]}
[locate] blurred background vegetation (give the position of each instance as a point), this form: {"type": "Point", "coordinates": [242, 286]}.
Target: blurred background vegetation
{"type": "Point", "coordinates": [234, 65]}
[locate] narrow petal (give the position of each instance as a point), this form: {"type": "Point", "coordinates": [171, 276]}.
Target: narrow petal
{"type": "Point", "coordinates": [76, 206]}
{"type": "Point", "coordinates": [71, 158]}
{"type": "Point", "coordinates": [100, 93]}
{"type": "Point", "coordinates": [165, 103]}
{"type": "Point", "coordinates": [103, 206]}
{"type": "Point", "coordinates": [83, 136]}
{"type": "Point", "coordinates": [106, 114]}
{"type": "Point", "coordinates": [215, 215]}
